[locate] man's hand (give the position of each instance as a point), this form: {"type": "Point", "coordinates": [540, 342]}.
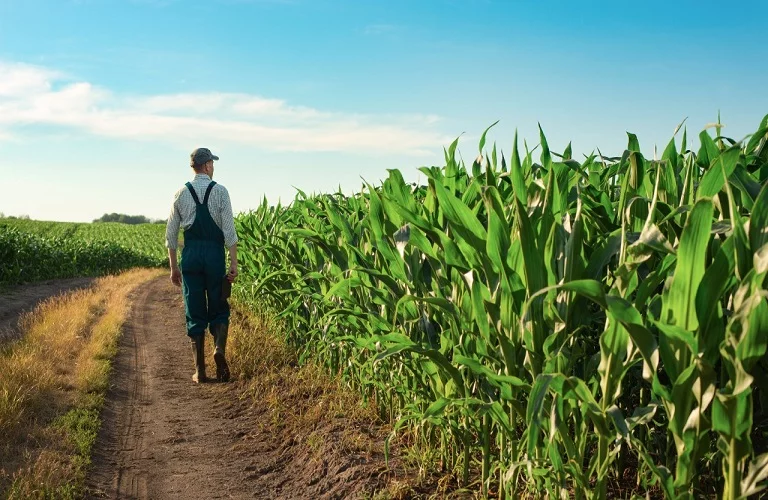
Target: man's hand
{"type": "Point", "coordinates": [175, 271]}
{"type": "Point", "coordinates": [176, 276]}
{"type": "Point", "coordinates": [232, 274]}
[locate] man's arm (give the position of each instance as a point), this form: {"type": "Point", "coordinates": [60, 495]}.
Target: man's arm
{"type": "Point", "coordinates": [172, 243]}
{"type": "Point", "coordinates": [230, 235]}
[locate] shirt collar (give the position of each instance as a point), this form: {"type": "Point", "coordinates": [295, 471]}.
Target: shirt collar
{"type": "Point", "coordinates": [201, 177]}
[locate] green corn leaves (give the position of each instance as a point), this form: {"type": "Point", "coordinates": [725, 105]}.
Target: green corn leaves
{"type": "Point", "coordinates": [555, 326]}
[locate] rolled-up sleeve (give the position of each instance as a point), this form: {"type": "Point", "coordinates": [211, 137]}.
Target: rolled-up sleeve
{"type": "Point", "coordinates": [172, 228]}
{"type": "Point", "coordinates": [227, 222]}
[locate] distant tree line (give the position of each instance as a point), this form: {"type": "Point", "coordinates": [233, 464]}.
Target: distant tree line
{"type": "Point", "coordinates": [128, 219]}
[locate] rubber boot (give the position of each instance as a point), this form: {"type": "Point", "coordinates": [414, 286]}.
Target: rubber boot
{"type": "Point", "coordinates": [220, 332]}
{"type": "Point", "coordinates": [198, 351]}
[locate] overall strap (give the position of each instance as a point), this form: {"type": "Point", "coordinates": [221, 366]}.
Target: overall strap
{"type": "Point", "coordinates": [194, 195]}
{"type": "Point", "coordinates": [208, 192]}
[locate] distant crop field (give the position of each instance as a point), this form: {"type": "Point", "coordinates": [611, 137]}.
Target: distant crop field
{"type": "Point", "coordinates": [33, 250]}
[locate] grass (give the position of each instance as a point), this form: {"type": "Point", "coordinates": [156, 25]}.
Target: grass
{"type": "Point", "coordinates": [305, 395]}
{"type": "Point", "coordinates": [322, 411]}
{"type": "Point", "coordinates": [53, 386]}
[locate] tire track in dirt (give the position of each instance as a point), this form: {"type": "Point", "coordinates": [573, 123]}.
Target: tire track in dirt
{"type": "Point", "coordinates": [129, 479]}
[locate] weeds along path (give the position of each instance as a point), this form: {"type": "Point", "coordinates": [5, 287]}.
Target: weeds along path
{"type": "Point", "coordinates": [16, 300]}
{"type": "Point", "coordinates": [164, 437]}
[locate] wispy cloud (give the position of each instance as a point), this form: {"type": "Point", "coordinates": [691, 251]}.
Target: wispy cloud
{"type": "Point", "coordinates": [260, 2]}
{"type": "Point", "coordinates": [21, 80]}
{"type": "Point", "coordinates": [32, 95]}
{"type": "Point", "coordinates": [381, 29]}
{"type": "Point", "coordinates": [155, 3]}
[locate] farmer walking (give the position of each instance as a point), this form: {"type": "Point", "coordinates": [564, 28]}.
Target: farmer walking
{"type": "Point", "coordinates": [203, 209]}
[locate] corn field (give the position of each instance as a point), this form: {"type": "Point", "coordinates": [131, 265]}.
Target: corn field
{"type": "Point", "coordinates": [554, 327]}
{"type": "Point", "coordinates": [144, 239]}
{"type": "Point", "coordinates": [36, 250]}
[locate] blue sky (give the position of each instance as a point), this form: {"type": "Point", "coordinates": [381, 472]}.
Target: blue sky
{"type": "Point", "coordinates": [101, 101]}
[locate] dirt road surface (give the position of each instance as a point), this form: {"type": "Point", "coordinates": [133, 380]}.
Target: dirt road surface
{"type": "Point", "coordinates": [164, 437]}
{"type": "Point", "coordinates": [17, 300]}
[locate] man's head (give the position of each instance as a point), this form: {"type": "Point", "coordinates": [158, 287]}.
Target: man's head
{"type": "Point", "coordinates": [201, 160]}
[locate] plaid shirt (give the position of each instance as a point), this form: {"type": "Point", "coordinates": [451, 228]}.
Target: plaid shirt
{"type": "Point", "coordinates": [183, 211]}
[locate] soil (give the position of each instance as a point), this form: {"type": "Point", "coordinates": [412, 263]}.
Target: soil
{"type": "Point", "coordinates": [17, 300]}
{"type": "Point", "coordinates": [165, 437]}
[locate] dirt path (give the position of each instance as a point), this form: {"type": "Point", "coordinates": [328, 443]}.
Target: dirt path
{"type": "Point", "coordinates": [17, 300]}
{"type": "Point", "coordinates": [164, 437]}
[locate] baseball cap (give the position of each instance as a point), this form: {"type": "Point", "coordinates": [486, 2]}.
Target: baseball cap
{"type": "Point", "coordinates": [202, 155]}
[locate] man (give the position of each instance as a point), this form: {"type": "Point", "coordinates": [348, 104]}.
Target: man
{"type": "Point", "coordinates": [203, 209]}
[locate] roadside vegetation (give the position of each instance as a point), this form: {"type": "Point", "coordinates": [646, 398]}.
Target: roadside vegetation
{"type": "Point", "coordinates": [54, 380]}
{"type": "Point", "coordinates": [534, 324]}
{"type": "Point", "coordinates": [322, 427]}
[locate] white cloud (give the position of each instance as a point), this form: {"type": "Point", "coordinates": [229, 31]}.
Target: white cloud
{"type": "Point", "coordinates": [31, 95]}
{"type": "Point", "coordinates": [380, 29]}
{"type": "Point", "coordinates": [23, 80]}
